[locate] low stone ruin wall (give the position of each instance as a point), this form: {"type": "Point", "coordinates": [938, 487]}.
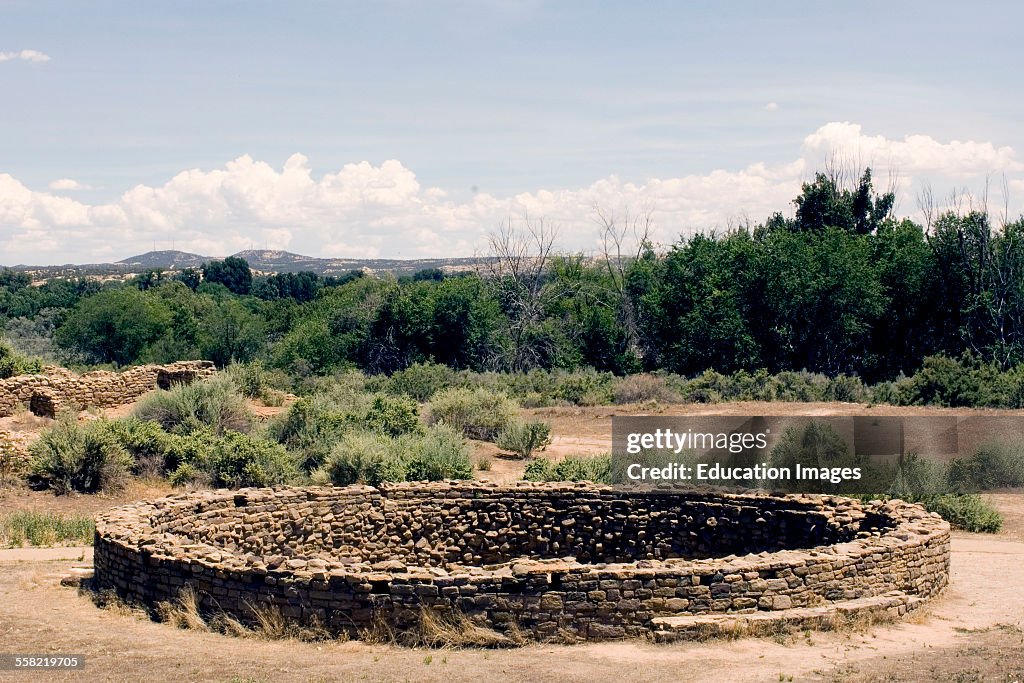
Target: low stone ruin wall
{"type": "Point", "coordinates": [56, 388]}
{"type": "Point", "coordinates": [543, 559]}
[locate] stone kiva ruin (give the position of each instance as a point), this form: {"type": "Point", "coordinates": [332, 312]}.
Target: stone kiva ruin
{"type": "Point", "coordinates": [57, 388]}
{"type": "Point", "coordinates": [545, 560]}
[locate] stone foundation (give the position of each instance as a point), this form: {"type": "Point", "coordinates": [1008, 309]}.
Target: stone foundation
{"type": "Point", "coordinates": [543, 559]}
{"type": "Point", "coordinates": [58, 388]}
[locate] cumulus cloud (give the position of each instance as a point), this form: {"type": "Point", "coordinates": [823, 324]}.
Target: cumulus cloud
{"type": "Point", "coordinates": [67, 184]}
{"type": "Point", "coordinates": [34, 56]}
{"type": "Point", "coordinates": [365, 210]}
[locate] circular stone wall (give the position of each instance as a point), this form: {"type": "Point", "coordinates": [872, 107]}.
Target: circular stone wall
{"type": "Point", "coordinates": [540, 559]}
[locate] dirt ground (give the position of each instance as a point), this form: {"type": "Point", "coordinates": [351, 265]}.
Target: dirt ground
{"type": "Point", "coordinates": [973, 632]}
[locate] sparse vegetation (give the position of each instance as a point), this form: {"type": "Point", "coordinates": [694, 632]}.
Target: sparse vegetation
{"type": "Point", "coordinates": [524, 437]}
{"type": "Point", "coordinates": [44, 529]}
{"type": "Point", "coordinates": [212, 404]}
{"type": "Point", "coordinates": [363, 457]}
{"type": "Point", "coordinates": [79, 457]}
{"type": "Point", "coordinates": [477, 413]}
{"type": "Point", "coordinates": [571, 468]}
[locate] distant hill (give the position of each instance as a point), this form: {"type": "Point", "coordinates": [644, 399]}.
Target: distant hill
{"type": "Point", "coordinates": [168, 259]}
{"type": "Point", "coordinates": [260, 260]}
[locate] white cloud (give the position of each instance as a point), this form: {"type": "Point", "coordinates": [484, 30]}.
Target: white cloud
{"type": "Point", "coordinates": [771, 106]}
{"type": "Point", "coordinates": [34, 56]}
{"type": "Point", "coordinates": [67, 184]}
{"type": "Point", "coordinates": [366, 210]}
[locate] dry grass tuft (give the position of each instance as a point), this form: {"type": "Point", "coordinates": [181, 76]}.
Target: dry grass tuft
{"type": "Point", "coordinates": [439, 629]}
{"type": "Point", "coordinates": [111, 602]}
{"type": "Point", "coordinates": [183, 612]}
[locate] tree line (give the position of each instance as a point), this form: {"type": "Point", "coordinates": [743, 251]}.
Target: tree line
{"type": "Point", "coordinates": [841, 287]}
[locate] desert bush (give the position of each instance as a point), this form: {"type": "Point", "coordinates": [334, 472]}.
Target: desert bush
{"type": "Point", "coordinates": [571, 468]}
{"type": "Point", "coordinates": [13, 363]}
{"type": "Point", "coordinates": [440, 453]}
{"type": "Point", "coordinates": [846, 389]}
{"type": "Point", "coordinates": [641, 388]}
{"type": "Point", "coordinates": [523, 438]}
{"type": "Point", "coordinates": [918, 479]}
{"type": "Point", "coordinates": [249, 379]}
{"type": "Point", "coordinates": [310, 429]}
{"type": "Point", "coordinates": [708, 387]}
{"type": "Point", "coordinates": [964, 381]}
{"type": "Point", "coordinates": [421, 381]}
{"type": "Point", "coordinates": [232, 460]}
{"type": "Point", "coordinates": [79, 457]}
{"type": "Point", "coordinates": [390, 415]}
{"type": "Point", "coordinates": [313, 425]}
{"type": "Point", "coordinates": [364, 458]}
{"type": "Point", "coordinates": [997, 464]}
{"type": "Point", "coordinates": [213, 403]}
{"type": "Point", "coordinates": [968, 512]}
{"type": "Point", "coordinates": [254, 380]}
{"type": "Point", "coordinates": [798, 386]}
{"type": "Point", "coordinates": [477, 413]}
{"type": "Point", "coordinates": [361, 457]}
{"type": "Point", "coordinates": [145, 441]}
{"type": "Point", "coordinates": [584, 387]}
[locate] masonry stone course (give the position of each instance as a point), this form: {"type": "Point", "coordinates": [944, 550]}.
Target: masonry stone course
{"type": "Point", "coordinates": [58, 388]}
{"type": "Point", "coordinates": [542, 558]}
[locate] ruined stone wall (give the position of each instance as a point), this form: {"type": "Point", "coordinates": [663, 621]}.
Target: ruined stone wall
{"type": "Point", "coordinates": [503, 555]}
{"type": "Point", "coordinates": [57, 388]}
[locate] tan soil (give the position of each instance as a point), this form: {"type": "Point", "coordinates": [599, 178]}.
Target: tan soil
{"type": "Point", "coordinates": [973, 632]}
{"type": "Point", "coordinates": [973, 627]}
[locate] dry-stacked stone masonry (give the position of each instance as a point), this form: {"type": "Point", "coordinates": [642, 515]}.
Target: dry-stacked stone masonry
{"type": "Point", "coordinates": [56, 388]}
{"type": "Point", "coordinates": [546, 559]}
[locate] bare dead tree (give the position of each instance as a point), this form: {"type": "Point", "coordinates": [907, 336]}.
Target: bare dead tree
{"type": "Point", "coordinates": [926, 205]}
{"type": "Point", "coordinates": [623, 240]}
{"type": "Point", "coordinates": [521, 253]}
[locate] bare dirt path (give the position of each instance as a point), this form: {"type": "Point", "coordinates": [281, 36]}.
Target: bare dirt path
{"type": "Point", "coordinates": [37, 615]}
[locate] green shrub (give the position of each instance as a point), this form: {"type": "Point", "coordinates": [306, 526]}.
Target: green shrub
{"type": "Point", "coordinates": [641, 388]}
{"type": "Point", "coordinates": [421, 381]}
{"type": "Point", "coordinates": [523, 438]}
{"type": "Point", "coordinates": [846, 389]}
{"type": "Point", "coordinates": [798, 386]}
{"type": "Point", "coordinates": [232, 460]}
{"type": "Point", "coordinates": [187, 473]}
{"type": "Point", "coordinates": [968, 512]}
{"type": "Point", "coordinates": [584, 387]}
{"type": "Point", "coordinates": [995, 465]}
{"type": "Point", "coordinates": [918, 479]}
{"type": "Point", "coordinates": [966, 381]}
{"type": "Point", "coordinates": [145, 441]}
{"type": "Point", "coordinates": [477, 413]}
{"type": "Point", "coordinates": [310, 429]}
{"type": "Point", "coordinates": [73, 457]}
{"type": "Point", "coordinates": [249, 379]}
{"type": "Point", "coordinates": [391, 416]}
{"type": "Point", "coordinates": [361, 457]}
{"type": "Point", "coordinates": [213, 403]}
{"type": "Point", "coordinates": [441, 453]}
{"type": "Point", "coordinates": [571, 468]}
{"type": "Point", "coordinates": [13, 363]}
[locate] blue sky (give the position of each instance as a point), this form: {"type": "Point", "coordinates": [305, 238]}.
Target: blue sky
{"type": "Point", "coordinates": [468, 112]}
